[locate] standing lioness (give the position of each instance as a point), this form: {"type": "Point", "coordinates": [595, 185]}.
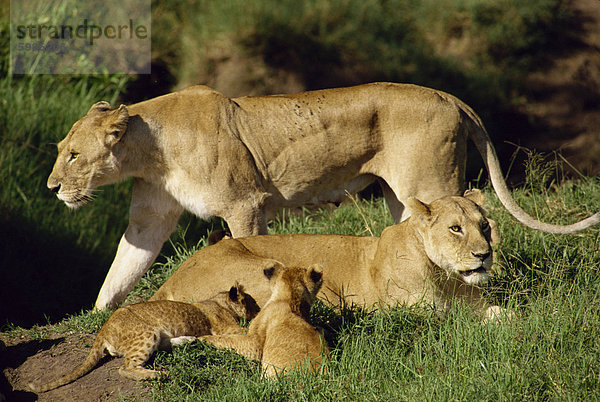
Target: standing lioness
{"type": "Point", "coordinates": [239, 158]}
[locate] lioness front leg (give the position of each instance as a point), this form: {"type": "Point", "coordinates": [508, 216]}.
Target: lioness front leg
{"type": "Point", "coordinates": [497, 314]}
{"type": "Point", "coordinates": [152, 218]}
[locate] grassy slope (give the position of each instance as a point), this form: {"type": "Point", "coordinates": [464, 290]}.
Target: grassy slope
{"type": "Point", "coordinates": [549, 350]}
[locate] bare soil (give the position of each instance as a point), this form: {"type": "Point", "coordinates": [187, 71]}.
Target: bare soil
{"type": "Point", "coordinates": [24, 360]}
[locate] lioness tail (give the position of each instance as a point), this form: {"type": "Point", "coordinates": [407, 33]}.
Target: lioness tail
{"type": "Point", "coordinates": [483, 143]}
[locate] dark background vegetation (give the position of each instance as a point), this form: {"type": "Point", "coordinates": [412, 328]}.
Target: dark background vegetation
{"type": "Point", "coordinates": [530, 69]}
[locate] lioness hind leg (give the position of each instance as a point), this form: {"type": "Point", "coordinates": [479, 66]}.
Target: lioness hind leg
{"type": "Point", "coordinates": [396, 207]}
{"type": "Point", "coordinates": [428, 189]}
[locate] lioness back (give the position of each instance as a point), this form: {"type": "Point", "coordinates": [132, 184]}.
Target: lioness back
{"type": "Point", "coordinates": [343, 257]}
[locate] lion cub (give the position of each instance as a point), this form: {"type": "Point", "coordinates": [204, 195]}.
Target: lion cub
{"type": "Point", "coordinates": [280, 335]}
{"type": "Point", "coordinates": [137, 330]}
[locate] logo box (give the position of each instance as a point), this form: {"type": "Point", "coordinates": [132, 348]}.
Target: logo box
{"type": "Point", "coordinates": [80, 36]}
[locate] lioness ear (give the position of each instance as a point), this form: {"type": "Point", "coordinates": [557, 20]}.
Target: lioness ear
{"type": "Point", "coordinates": [315, 272]}
{"type": "Point", "coordinates": [117, 125]}
{"type": "Point", "coordinates": [233, 293]}
{"type": "Point", "coordinates": [418, 208]}
{"type": "Point", "coordinates": [101, 106]}
{"type": "Point", "coordinates": [494, 233]}
{"type": "Point", "coordinates": [476, 196]}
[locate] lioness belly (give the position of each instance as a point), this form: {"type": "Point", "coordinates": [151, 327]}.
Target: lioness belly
{"type": "Point", "coordinates": [322, 192]}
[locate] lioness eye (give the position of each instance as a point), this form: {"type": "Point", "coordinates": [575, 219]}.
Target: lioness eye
{"type": "Point", "coordinates": [73, 156]}
{"type": "Point", "coordinates": [455, 229]}
{"type": "Point", "coordinates": [485, 226]}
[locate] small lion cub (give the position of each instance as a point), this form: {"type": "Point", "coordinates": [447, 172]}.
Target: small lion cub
{"type": "Point", "coordinates": [137, 330]}
{"type": "Point", "coordinates": [280, 335]}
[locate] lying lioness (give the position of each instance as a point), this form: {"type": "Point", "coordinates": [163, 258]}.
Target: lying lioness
{"type": "Point", "coordinates": [442, 252]}
{"type": "Point", "coordinates": [241, 158]}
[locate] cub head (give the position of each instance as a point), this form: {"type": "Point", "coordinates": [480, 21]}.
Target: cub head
{"type": "Point", "coordinates": [240, 303]}
{"type": "Point", "coordinates": [456, 235]}
{"type": "Point", "coordinates": [295, 285]}
{"type": "Point", "coordinates": [85, 156]}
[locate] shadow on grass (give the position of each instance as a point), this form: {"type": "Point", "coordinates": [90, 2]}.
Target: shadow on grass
{"type": "Point", "coordinates": [45, 276]}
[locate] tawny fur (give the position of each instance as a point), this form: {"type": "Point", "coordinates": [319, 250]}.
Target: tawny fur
{"type": "Point", "coordinates": [420, 259]}
{"type": "Point", "coordinates": [137, 331]}
{"type": "Point", "coordinates": [281, 336]}
{"type": "Point", "coordinates": [244, 158]}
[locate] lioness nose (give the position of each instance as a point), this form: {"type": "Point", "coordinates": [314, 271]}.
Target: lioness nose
{"type": "Point", "coordinates": [482, 256]}
{"type": "Point", "coordinates": [54, 188]}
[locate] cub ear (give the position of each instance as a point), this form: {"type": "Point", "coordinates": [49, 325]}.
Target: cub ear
{"type": "Point", "coordinates": [101, 106]}
{"type": "Point", "coordinates": [233, 293]}
{"type": "Point", "coordinates": [269, 272]}
{"type": "Point", "coordinates": [272, 267]}
{"type": "Point", "coordinates": [315, 272]}
{"type": "Point", "coordinates": [476, 196]}
{"type": "Point", "coordinates": [418, 208]}
{"type": "Point", "coordinates": [117, 125]}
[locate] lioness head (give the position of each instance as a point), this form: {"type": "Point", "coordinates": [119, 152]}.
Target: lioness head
{"type": "Point", "coordinates": [85, 157]}
{"type": "Point", "coordinates": [298, 286]}
{"type": "Point", "coordinates": [456, 235]}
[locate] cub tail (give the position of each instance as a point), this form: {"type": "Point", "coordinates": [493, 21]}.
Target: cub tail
{"type": "Point", "coordinates": [97, 353]}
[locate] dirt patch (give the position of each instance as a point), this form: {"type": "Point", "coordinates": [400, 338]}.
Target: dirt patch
{"type": "Point", "coordinates": [24, 360]}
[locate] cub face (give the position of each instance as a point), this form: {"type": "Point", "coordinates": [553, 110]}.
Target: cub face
{"type": "Point", "coordinates": [457, 236]}
{"type": "Point", "coordinates": [85, 157]}
{"type": "Point", "coordinates": [241, 303]}
{"type": "Point", "coordinates": [297, 285]}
